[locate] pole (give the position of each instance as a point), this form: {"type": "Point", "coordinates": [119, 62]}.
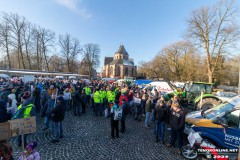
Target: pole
{"type": "Point", "coordinates": [201, 99]}
{"type": "Point", "coordinates": [55, 98]}
{"type": "Point", "coordinates": [23, 148]}
{"type": "Point", "coordinates": [239, 80]}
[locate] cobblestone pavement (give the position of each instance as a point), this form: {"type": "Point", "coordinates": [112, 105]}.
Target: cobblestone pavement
{"type": "Point", "coordinates": [88, 137]}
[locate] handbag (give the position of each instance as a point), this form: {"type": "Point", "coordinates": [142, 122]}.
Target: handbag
{"type": "Point", "coordinates": [118, 114]}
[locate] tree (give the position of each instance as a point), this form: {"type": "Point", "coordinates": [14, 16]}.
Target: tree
{"type": "Point", "coordinates": [46, 40]}
{"type": "Point", "coordinates": [91, 56]}
{"type": "Point", "coordinates": [17, 23]}
{"type": "Point", "coordinates": [214, 30]}
{"type": "Point", "coordinates": [27, 34]}
{"type": "Point", "coordinates": [5, 40]}
{"type": "Point", "coordinates": [70, 49]}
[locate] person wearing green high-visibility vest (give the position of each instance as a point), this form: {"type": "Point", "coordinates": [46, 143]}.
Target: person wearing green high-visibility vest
{"type": "Point", "coordinates": [88, 92]}
{"type": "Point", "coordinates": [97, 97]}
{"type": "Point", "coordinates": [111, 96]}
{"type": "Point", "coordinates": [25, 110]}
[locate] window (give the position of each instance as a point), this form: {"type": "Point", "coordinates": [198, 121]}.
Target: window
{"type": "Point", "coordinates": [118, 71]}
{"type": "Point", "coordinates": [126, 71]}
{"type": "Point", "coordinates": [132, 72]}
{"type": "Point", "coordinates": [218, 110]}
{"type": "Point", "coordinates": [231, 119]}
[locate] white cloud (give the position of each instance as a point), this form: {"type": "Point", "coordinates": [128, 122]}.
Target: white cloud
{"type": "Point", "coordinates": [75, 6]}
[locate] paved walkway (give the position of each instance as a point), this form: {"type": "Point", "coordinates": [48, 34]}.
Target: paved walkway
{"type": "Point", "coordinates": [88, 137]}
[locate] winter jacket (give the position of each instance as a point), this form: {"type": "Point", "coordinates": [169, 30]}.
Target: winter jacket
{"type": "Point", "coordinates": [160, 113]}
{"type": "Point", "coordinates": [121, 98]}
{"type": "Point", "coordinates": [23, 110]}
{"type": "Point", "coordinates": [13, 107]}
{"type": "Point", "coordinates": [67, 95]}
{"type": "Point", "coordinates": [177, 120]}
{"type": "Point", "coordinates": [58, 113]}
{"type": "Point", "coordinates": [48, 107]}
{"type": "Point", "coordinates": [4, 95]}
{"type": "Point", "coordinates": [3, 112]}
{"type": "Point", "coordinates": [148, 107]}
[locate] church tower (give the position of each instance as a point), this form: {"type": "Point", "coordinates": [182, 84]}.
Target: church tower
{"type": "Point", "coordinates": [121, 53]}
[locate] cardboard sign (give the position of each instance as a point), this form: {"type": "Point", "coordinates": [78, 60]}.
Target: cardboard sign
{"type": "Point", "coordinates": [191, 139]}
{"type": "Point", "coordinates": [5, 131]}
{"type": "Point", "coordinates": [22, 126]}
{"type": "Point", "coordinates": [136, 100]}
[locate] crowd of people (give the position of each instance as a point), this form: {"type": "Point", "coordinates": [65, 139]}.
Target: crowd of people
{"type": "Point", "coordinates": [51, 99]}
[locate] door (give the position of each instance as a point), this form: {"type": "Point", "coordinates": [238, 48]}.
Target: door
{"type": "Point", "coordinates": [231, 134]}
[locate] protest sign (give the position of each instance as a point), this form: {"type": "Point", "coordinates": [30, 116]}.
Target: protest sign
{"type": "Point", "coordinates": [22, 126]}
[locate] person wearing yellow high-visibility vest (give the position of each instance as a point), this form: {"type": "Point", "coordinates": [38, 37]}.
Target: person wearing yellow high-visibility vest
{"type": "Point", "coordinates": [97, 102]}
{"type": "Point", "coordinates": [25, 110]}
{"type": "Point", "coordinates": [111, 96]}
{"type": "Point", "coordinates": [88, 92]}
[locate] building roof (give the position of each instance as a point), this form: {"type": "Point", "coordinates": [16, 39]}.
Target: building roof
{"type": "Point", "coordinates": [122, 61]}
{"type": "Point", "coordinates": [107, 60]}
{"type": "Point", "coordinates": [121, 50]}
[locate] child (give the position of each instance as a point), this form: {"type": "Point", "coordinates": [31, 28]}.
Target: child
{"type": "Point", "coordinates": [30, 153]}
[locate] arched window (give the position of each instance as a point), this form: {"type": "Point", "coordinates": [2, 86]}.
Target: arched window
{"type": "Point", "coordinates": [126, 71]}
{"type": "Point", "coordinates": [117, 71]}
{"type": "Point", "coordinates": [111, 70]}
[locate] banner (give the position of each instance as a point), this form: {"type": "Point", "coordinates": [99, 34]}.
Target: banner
{"type": "Point", "coordinates": [22, 126]}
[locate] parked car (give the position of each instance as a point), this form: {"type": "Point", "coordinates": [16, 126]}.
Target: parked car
{"type": "Point", "coordinates": [59, 78]}
{"type": "Point", "coordinates": [72, 78]}
{"type": "Point", "coordinates": [5, 76]}
{"type": "Point", "coordinates": [220, 124]}
{"type": "Point", "coordinates": [225, 96]}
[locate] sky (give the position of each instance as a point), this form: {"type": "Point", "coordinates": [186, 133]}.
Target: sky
{"type": "Point", "coordinates": [144, 27]}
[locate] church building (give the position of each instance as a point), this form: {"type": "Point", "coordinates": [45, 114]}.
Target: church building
{"type": "Point", "coordinates": [120, 65]}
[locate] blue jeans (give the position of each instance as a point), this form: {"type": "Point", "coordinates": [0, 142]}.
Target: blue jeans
{"type": "Point", "coordinates": [47, 122]}
{"type": "Point", "coordinates": [77, 109]}
{"type": "Point", "coordinates": [67, 104]}
{"type": "Point", "coordinates": [159, 129]}
{"type": "Point", "coordinates": [58, 130]}
{"type": "Point", "coordinates": [147, 118]}
{"type": "Point", "coordinates": [143, 106]}
{"type": "Point", "coordinates": [177, 134]}
{"type": "Point", "coordinates": [152, 117]}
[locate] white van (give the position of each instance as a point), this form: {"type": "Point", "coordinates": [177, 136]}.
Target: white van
{"type": "Point", "coordinates": [59, 77]}
{"type": "Point", "coordinates": [159, 86]}
{"type": "Point", "coordinates": [72, 78]}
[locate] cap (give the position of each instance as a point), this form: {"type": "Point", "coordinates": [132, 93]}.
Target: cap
{"type": "Point", "coordinates": [31, 146]}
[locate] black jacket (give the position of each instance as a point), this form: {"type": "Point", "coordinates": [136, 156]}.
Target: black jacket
{"type": "Point", "coordinates": [160, 113]}
{"type": "Point", "coordinates": [177, 120]}
{"type": "Point", "coordinates": [3, 112]}
{"type": "Point", "coordinates": [58, 113]}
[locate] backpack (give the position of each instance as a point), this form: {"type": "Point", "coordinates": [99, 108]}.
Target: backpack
{"type": "Point", "coordinates": [118, 114]}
